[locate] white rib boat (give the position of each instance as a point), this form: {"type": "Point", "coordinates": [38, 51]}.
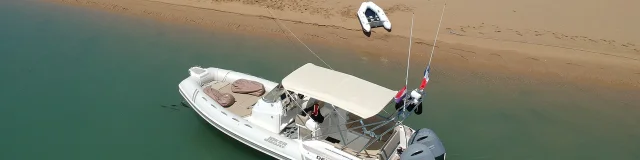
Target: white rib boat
{"type": "Point", "coordinates": [344, 121]}
{"type": "Point", "coordinates": [371, 16]}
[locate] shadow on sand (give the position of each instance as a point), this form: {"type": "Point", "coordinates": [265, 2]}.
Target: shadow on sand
{"type": "Point", "coordinates": [368, 34]}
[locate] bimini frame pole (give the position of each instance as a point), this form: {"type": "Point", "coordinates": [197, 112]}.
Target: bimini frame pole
{"type": "Point", "coordinates": [352, 128]}
{"type": "Point", "coordinates": [379, 124]}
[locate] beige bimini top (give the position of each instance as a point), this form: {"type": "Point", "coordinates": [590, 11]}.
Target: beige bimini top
{"type": "Point", "coordinates": [355, 95]}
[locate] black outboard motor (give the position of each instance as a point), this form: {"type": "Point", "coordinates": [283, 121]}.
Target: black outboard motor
{"type": "Point", "coordinates": [428, 138]}
{"type": "Point", "coordinates": [417, 151]}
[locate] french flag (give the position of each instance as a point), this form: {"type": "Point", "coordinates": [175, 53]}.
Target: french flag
{"type": "Point", "coordinates": [401, 94]}
{"type": "Point", "coordinates": [425, 79]}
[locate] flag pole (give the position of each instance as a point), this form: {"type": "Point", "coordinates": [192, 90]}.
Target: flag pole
{"type": "Point", "coordinates": [406, 79]}
{"type": "Point", "coordinates": [435, 40]}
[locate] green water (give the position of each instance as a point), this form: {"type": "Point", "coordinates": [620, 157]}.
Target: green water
{"type": "Point", "coordinates": [85, 84]}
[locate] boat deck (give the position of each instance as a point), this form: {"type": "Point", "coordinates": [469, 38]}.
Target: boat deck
{"type": "Point", "coordinates": [377, 150]}
{"type": "Point", "coordinates": [242, 106]}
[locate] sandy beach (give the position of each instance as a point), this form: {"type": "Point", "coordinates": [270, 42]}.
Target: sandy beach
{"type": "Point", "coordinates": [586, 41]}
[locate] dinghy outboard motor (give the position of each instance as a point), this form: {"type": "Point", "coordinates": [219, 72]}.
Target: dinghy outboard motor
{"type": "Point", "coordinates": [414, 100]}
{"type": "Point", "coordinates": [428, 138]}
{"type": "Point", "coordinates": [417, 151]}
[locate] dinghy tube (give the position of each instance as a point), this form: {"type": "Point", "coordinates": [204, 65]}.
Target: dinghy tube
{"type": "Point", "coordinates": [371, 16]}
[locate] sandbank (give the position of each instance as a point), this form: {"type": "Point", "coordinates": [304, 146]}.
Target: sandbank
{"type": "Point", "coordinates": [585, 41]}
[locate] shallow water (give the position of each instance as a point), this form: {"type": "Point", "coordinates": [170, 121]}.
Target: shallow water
{"type": "Point", "coordinates": [85, 84]}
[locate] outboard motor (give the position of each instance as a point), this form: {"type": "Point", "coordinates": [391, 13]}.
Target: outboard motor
{"type": "Point", "coordinates": [417, 151]}
{"type": "Point", "coordinates": [414, 101]}
{"type": "Point", "coordinates": [427, 137]}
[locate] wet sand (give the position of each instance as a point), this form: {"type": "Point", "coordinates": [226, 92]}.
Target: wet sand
{"type": "Point", "coordinates": [587, 42]}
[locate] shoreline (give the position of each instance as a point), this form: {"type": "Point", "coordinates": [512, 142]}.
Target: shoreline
{"type": "Point", "coordinates": [530, 53]}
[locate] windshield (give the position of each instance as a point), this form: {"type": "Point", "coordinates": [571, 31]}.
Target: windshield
{"type": "Point", "coordinates": [274, 94]}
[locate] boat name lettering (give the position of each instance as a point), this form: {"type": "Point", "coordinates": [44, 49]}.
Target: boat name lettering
{"type": "Point", "coordinates": [321, 158]}
{"type": "Point", "coordinates": [276, 142]}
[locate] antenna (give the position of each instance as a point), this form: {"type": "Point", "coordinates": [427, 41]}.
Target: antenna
{"type": "Point", "coordinates": [305, 45]}
{"type": "Point", "coordinates": [294, 35]}
{"type": "Point", "coordinates": [430, 58]}
{"type": "Point", "coordinates": [437, 32]}
{"type": "Point", "coordinates": [406, 79]}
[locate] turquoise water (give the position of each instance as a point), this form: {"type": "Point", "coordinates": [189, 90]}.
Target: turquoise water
{"type": "Point", "coordinates": [85, 84]}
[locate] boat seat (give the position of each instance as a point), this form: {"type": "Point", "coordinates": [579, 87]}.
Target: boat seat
{"type": "Point", "coordinates": [242, 106]}
{"type": "Point", "coordinates": [301, 120]}
{"type": "Point", "coordinates": [217, 84]}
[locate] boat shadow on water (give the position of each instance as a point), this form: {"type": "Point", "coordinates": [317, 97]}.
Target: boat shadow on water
{"type": "Point", "coordinates": [174, 107]}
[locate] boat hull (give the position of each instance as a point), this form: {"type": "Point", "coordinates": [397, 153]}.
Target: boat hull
{"type": "Point", "coordinates": [251, 129]}
{"type": "Point", "coordinates": [237, 137]}
{"type": "Point", "coordinates": [239, 128]}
